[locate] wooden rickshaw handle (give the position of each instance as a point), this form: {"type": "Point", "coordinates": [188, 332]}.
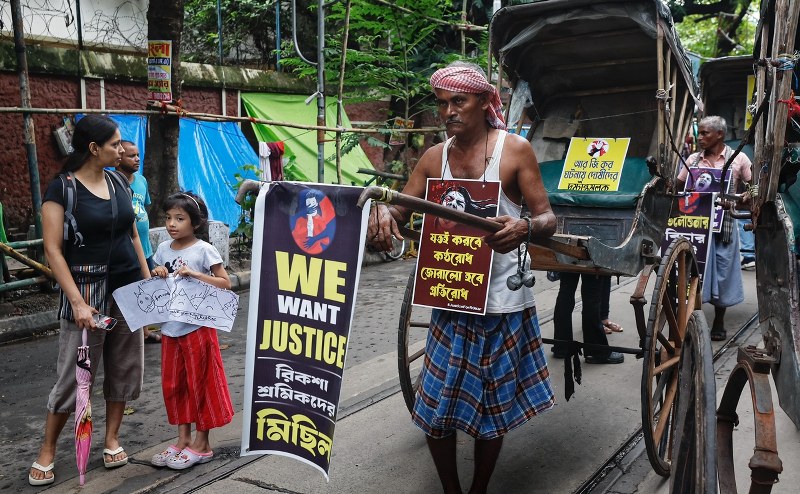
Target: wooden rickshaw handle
{"type": "Point", "coordinates": [390, 196]}
{"type": "Point", "coordinates": [414, 203]}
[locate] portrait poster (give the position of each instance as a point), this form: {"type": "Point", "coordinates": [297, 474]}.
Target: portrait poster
{"type": "Point", "coordinates": [308, 242]}
{"type": "Point", "coordinates": [706, 180]}
{"type": "Point", "coordinates": [159, 70]}
{"type": "Point", "coordinates": [594, 164]}
{"type": "Point", "coordinates": [691, 219]}
{"type": "Point", "coordinates": [453, 261]}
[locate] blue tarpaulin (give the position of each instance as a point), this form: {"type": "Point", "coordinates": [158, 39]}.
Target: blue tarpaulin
{"type": "Point", "coordinates": [209, 154]}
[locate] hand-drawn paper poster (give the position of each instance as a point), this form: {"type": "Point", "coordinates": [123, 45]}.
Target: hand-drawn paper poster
{"type": "Point", "coordinates": [159, 70]}
{"type": "Point", "coordinates": [594, 164]}
{"type": "Point", "coordinates": [453, 261]}
{"type": "Point", "coordinates": [308, 242]}
{"type": "Point", "coordinates": [183, 298]}
{"type": "Point", "coordinates": [691, 218]}
{"type": "Point", "coordinates": [708, 180]}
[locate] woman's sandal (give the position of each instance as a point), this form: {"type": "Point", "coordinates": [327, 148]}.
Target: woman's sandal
{"type": "Point", "coordinates": [612, 327]}
{"type": "Point", "coordinates": [46, 480]}
{"type": "Point", "coordinates": [112, 453]}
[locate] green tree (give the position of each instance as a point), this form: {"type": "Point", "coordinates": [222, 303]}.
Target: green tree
{"type": "Point", "coordinates": [164, 22]}
{"type": "Point", "coordinates": [248, 30]}
{"type": "Point", "coordinates": [716, 28]}
{"type": "Point", "coordinates": [393, 49]}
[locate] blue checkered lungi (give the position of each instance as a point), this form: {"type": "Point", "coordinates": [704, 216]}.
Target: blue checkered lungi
{"type": "Point", "coordinates": [484, 375]}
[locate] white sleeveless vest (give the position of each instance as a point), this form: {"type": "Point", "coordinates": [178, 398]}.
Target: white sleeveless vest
{"type": "Point", "coordinates": [501, 300]}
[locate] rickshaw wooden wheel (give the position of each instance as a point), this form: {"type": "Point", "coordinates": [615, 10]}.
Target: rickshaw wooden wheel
{"type": "Point", "coordinates": [694, 465]}
{"type": "Point", "coordinates": [675, 297]}
{"type": "Point", "coordinates": [406, 359]}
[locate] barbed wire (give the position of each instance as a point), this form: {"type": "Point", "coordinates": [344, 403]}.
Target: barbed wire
{"type": "Point", "coordinates": [126, 23]}
{"type": "Point", "coordinates": [124, 26]}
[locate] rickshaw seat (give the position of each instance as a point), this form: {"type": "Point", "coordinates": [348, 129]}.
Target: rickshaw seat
{"type": "Point", "coordinates": [635, 175]}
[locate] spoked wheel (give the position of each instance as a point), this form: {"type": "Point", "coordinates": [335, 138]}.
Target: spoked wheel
{"type": "Point", "coordinates": [675, 297]}
{"type": "Point", "coordinates": [407, 357]}
{"type": "Point", "coordinates": [694, 466]}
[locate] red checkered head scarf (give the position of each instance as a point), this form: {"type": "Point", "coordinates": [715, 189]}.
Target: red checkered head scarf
{"type": "Point", "coordinates": [463, 79]}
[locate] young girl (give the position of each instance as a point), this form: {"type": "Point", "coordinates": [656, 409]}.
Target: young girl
{"type": "Point", "coordinates": [193, 378]}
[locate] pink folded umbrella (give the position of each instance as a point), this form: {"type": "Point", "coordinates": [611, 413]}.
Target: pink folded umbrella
{"type": "Point", "coordinates": [83, 409]}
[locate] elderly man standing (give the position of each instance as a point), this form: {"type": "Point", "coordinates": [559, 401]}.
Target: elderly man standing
{"type": "Point", "coordinates": [722, 284]}
{"type": "Point", "coordinates": [484, 375]}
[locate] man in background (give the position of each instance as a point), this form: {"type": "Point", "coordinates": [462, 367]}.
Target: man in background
{"type": "Point", "coordinates": [129, 166]}
{"type": "Point", "coordinates": [722, 284]}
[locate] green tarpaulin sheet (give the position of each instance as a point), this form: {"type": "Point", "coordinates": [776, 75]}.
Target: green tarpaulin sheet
{"type": "Point", "coordinates": [301, 143]}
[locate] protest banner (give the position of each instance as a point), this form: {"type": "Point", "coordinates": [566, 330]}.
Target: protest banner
{"type": "Point", "coordinates": [691, 219]}
{"type": "Point", "coordinates": [707, 180]}
{"type": "Point", "coordinates": [453, 262]}
{"type": "Point", "coordinates": [308, 243]}
{"type": "Point", "coordinates": [594, 164]}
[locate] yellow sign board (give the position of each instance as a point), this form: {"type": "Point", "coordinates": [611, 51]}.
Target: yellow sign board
{"type": "Point", "coordinates": [594, 164]}
{"type": "Point", "coordinates": [751, 88]}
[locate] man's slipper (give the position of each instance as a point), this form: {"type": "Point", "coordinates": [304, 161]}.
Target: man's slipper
{"type": "Point", "coordinates": [46, 480]}
{"type": "Point", "coordinates": [187, 458]}
{"type": "Point", "coordinates": [160, 459]}
{"type": "Point", "coordinates": [719, 335]}
{"type": "Point", "coordinates": [612, 327]}
{"type": "Point", "coordinates": [112, 453]}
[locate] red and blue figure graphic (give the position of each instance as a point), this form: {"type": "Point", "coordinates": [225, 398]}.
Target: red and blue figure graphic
{"type": "Point", "coordinates": [689, 203]}
{"type": "Point", "coordinates": [314, 222]}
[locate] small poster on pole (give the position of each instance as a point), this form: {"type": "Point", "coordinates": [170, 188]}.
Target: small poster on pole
{"type": "Point", "coordinates": [159, 70]}
{"type": "Point", "coordinates": [594, 164]}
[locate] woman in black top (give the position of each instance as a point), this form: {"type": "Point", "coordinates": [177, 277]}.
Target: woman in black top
{"type": "Point", "coordinates": [93, 247]}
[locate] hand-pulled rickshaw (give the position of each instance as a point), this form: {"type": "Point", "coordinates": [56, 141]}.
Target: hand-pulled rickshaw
{"type": "Point", "coordinates": [615, 68]}
{"type": "Point", "coordinates": [610, 69]}
{"type": "Point", "coordinates": [775, 216]}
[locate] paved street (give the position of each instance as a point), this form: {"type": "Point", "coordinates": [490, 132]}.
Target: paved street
{"type": "Point", "coordinates": [376, 447]}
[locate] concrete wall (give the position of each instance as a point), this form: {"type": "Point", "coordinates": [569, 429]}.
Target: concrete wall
{"type": "Point", "coordinates": [111, 81]}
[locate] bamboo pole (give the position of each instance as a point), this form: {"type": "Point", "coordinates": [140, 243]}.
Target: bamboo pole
{"type": "Point", "coordinates": [760, 154]}
{"type": "Point", "coordinates": [170, 109]}
{"type": "Point", "coordinates": [783, 42]}
{"type": "Point", "coordinates": [661, 82]}
{"type": "Point", "coordinates": [339, 108]}
{"type": "Point", "coordinates": [7, 250]}
{"type": "Point", "coordinates": [28, 130]}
